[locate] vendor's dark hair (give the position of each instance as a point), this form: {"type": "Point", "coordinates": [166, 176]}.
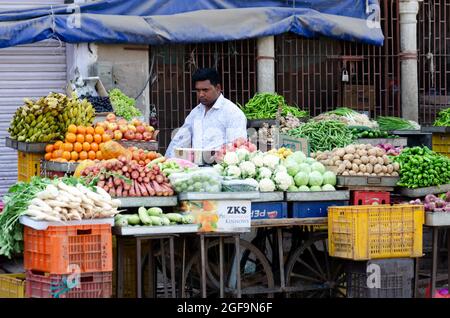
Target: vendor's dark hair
{"type": "Point", "coordinates": [204, 74]}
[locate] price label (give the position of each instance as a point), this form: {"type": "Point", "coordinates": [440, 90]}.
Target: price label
{"type": "Point", "coordinates": [234, 215]}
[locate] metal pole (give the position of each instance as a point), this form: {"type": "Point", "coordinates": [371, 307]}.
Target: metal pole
{"type": "Point", "coordinates": [138, 269]}
{"type": "Point", "coordinates": [221, 266]}
{"type": "Point", "coordinates": [172, 265]}
{"type": "Point", "coordinates": [238, 265]}
{"type": "Point", "coordinates": [434, 264]}
{"type": "Point", "coordinates": [280, 256]}
{"type": "Point", "coordinates": [120, 268]}
{"type": "Point", "coordinates": [408, 57]}
{"type": "Point", "coordinates": [163, 262]}
{"type": "Point", "coordinates": [203, 264]}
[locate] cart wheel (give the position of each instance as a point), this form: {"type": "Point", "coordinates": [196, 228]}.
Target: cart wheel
{"type": "Point", "coordinates": [256, 274]}
{"type": "Point", "coordinates": [312, 273]}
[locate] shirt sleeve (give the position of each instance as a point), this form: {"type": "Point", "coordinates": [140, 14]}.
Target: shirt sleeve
{"type": "Point", "coordinates": [237, 126]}
{"type": "Point", "coordinates": [182, 138]}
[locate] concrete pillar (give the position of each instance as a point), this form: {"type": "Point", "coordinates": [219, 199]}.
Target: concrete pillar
{"type": "Point", "coordinates": [81, 56]}
{"type": "Point", "coordinates": [266, 64]}
{"type": "Point", "coordinates": [408, 44]}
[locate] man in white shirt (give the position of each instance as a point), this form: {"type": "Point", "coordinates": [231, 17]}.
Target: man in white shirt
{"type": "Point", "coordinates": [212, 123]}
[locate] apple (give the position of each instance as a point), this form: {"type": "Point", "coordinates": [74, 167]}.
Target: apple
{"type": "Point", "coordinates": [132, 128]}
{"type": "Point", "coordinates": [147, 136]}
{"type": "Point", "coordinates": [110, 132]}
{"type": "Point", "coordinates": [118, 135]}
{"type": "Point", "coordinates": [129, 135]}
{"type": "Point", "coordinates": [136, 122]}
{"type": "Point", "coordinates": [138, 136]}
{"type": "Point", "coordinates": [111, 117]}
{"type": "Point", "coordinates": [101, 124]}
{"type": "Point", "coordinates": [122, 121]}
{"type": "Point", "coordinates": [123, 128]}
{"type": "Point", "coordinates": [112, 126]}
{"type": "Point", "coordinates": [140, 129]}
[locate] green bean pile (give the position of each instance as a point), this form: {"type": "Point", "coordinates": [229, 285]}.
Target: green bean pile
{"type": "Point", "coordinates": [324, 135]}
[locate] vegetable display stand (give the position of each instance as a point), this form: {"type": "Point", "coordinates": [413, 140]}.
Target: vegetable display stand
{"type": "Point", "coordinates": [396, 142]}
{"type": "Point", "coordinates": [441, 143]}
{"type": "Point", "coordinates": [12, 285]}
{"type": "Point", "coordinates": [315, 204]}
{"type": "Point", "coordinates": [146, 145]}
{"type": "Point", "coordinates": [28, 147]}
{"type": "Point", "coordinates": [374, 232]}
{"type": "Point", "coordinates": [52, 169]}
{"type": "Point", "coordinates": [91, 285]}
{"type": "Point", "coordinates": [193, 196]}
{"type": "Point", "coordinates": [437, 219]}
{"type": "Point", "coordinates": [421, 192]}
{"type": "Point", "coordinates": [135, 202]}
{"type": "Point", "coordinates": [395, 278]}
{"type": "Point", "coordinates": [415, 137]}
{"type": "Point", "coordinates": [369, 197]}
{"type": "Point", "coordinates": [366, 182]}
{"type": "Point", "coordinates": [58, 249]}
{"type": "Point", "coordinates": [28, 165]}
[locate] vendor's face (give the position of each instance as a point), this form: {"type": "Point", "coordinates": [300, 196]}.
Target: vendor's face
{"type": "Point", "coordinates": [207, 93]}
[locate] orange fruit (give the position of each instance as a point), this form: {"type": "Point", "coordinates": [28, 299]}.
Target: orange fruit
{"type": "Point", "coordinates": [57, 154]}
{"type": "Point", "coordinates": [66, 155]}
{"type": "Point", "coordinates": [99, 130]}
{"type": "Point", "coordinates": [49, 148]}
{"type": "Point", "coordinates": [72, 129]}
{"type": "Point", "coordinates": [89, 138]}
{"type": "Point", "coordinates": [80, 138]}
{"type": "Point", "coordinates": [71, 160]}
{"type": "Point", "coordinates": [98, 138]}
{"type": "Point", "coordinates": [90, 130]}
{"type": "Point", "coordinates": [81, 130]}
{"type": "Point", "coordinates": [106, 137]}
{"type": "Point", "coordinates": [71, 137]}
{"type": "Point", "coordinates": [94, 146]}
{"type": "Point", "coordinates": [86, 146]}
{"type": "Point", "coordinates": [78, 147]}
{"type": "Point", "coordinates": [74, 155]}
{"type": "Point", "coordinates": [48, 156]}
{"type": "Point", "coordinates": [99, 155]}
{"type": "Point", "coordinates": [57, 145]}
{"type": "Point", "coordinates": [62, 160]}
{"type": "Point", "coordinates": [67, 147]}
{"type": "Point", "coordinates": [92, 155]}
{"type": "Point", "coordinates": [83, 155]}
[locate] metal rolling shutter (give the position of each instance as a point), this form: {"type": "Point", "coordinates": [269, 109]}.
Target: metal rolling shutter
{"type": "Point", "coordinates": [26, 71]}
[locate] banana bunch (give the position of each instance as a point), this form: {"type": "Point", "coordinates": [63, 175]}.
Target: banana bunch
{"type": "Point", "coordinates": [47, 118]}
{"type": "Point", "coordinates": [76, 112]}
{"type": "Point", "coordinates": [282, 153]}
{"type": "Point", "coordinates": [36, 121]}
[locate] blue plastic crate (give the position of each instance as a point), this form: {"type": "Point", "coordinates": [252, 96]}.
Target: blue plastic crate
{"type": "Point", "coordinates": [313, 209]}
{"type": "Point", "coordinates": [269, 210]}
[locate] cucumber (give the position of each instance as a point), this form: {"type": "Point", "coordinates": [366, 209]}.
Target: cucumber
{"type": "Point", "coordinates": [156, 220]}
{"type": "Point", "coordinates": [174, 217]}
{"type": "Point", "coordinates": [133, 219]}
{"type": "Point", "coordinates": [154, 212]}
{"type": "Point", "coordinates": [144, 217]}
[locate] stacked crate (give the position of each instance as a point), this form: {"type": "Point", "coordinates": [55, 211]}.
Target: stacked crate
{"type": "Point", "coordinates": [370, 197]}
{"type": "Point", "coordinates": [73, 261]}
{"type": "Point", "coordinates": [381, 242]}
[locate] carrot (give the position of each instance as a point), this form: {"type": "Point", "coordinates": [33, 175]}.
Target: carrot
{"type": "Point", "coordinates": [101, 184]}
{"type": "Point", "coordinates": [138, 191]}
{"type": "Point", "coordinates": [158, 189]}
{"type": "Point", "coordinates": [140, 179]}
{"type": "Point", "coordinates": [127, 186]}
{"type": "Point", "coordinates": [142, 174]}
{"type": "Point", "coordinates": [143, 190]}
{"type": "Point", "coordinates": [112, 192]}
{"type": "Point", "coordinates": [159, 178]}
{"type": "Point", "coordinates": [117, 181]}
{"type": "Point", "coordinates": [146, 179]}
{"type": "Point", "coordinates": [135, 175]}
{"type": "Point", "coordinates": [125, 193]}
{"type": "Point", "coordinates": [119, 191]}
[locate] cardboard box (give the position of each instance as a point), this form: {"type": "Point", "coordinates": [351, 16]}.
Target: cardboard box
{"type": "Point", "coordinates": [360, 97]}
{"type": "Point", "coordinates": [295, 144]}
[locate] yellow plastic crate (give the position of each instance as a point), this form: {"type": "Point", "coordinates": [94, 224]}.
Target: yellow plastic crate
{"type": "Point", "coordinates": [28, 165]}
{"type": "Point", "coordinates": [12, 286]}
{"type": "Point", "coordinates": [441, 144]}
{"type": "Point", "coordinates": [374, 232]}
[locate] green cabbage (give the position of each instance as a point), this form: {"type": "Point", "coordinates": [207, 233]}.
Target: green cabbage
{"type": "Point", "coordinates": [298, 156]}
{"type": "Point", "coordinates": [292, 168]}
{"type": "Point", "coordinates": [301, 179]}
{"type": "Point", "coordinates": [317, 166]}
{"type": "Point", "coordinates": [315, 178]}
{"type": "Point", "coordinates": [329, 178]}
{"type": "Point", "coordinates": [328, 187]}
{"type": "Point", "coordinates": [304, 167]}
{"type": "Point", "coordinates": [316, 188]}
{"type": "Point", "coordinates": [303, 188]}
{"type": "Point", "coordinates": [292, 188]}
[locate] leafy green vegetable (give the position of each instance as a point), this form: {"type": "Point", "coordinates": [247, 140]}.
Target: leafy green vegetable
{"type": "Point", "coordinates": [395, 123]}
{"type": "Point", "coordinates": [123, 105]}
{"type": "Point", "coordinates": [443, 119]}
{"type": "Point", "coordinates": [265, 106]}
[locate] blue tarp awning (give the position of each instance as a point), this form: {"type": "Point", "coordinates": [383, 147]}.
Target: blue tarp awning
{"type": "Point", "coordinates": [154, 22]}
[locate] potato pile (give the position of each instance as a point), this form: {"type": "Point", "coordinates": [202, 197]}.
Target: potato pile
{"type": "Point", "coordinates": [359, 160]}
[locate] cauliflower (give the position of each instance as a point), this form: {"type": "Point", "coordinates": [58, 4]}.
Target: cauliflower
{"type": "Point", "coordinates": [242, 154]}
{"type": "Point", "coordinates": [266, 185]}
{"type": "Point", "coordinates": [231, 158]}
{"type": "Point", "coordinates": [283, 181]}
{"type": "Point", "coordinates": [253, 182]}
{"type": "Point", "coordinates": [233, 171]}
{"type": "Point", "coordinates": [264, 173]}
{"type": "Point", "coordinates": [248, 169]}
{"type": "Point", "coordinates": [271, 161]}
{"type": "Point", "coordinates": [219, 169]}
{"type": "Point", "coordinates": [280, 168]}
{"type": "Point", "coordinates": [258, 160]}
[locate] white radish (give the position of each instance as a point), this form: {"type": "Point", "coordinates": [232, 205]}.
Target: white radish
{"type": "Point", "coordinates": [103, 193]}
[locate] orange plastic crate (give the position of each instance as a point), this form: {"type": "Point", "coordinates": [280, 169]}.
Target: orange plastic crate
{"type": "Point", "coordinates": [90, 285]}
{"type": "Point", "coordinates": [59, 249]}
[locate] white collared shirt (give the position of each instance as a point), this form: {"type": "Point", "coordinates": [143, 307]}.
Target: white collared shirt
{"type": "Point", "coordinates": [223, 123]}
